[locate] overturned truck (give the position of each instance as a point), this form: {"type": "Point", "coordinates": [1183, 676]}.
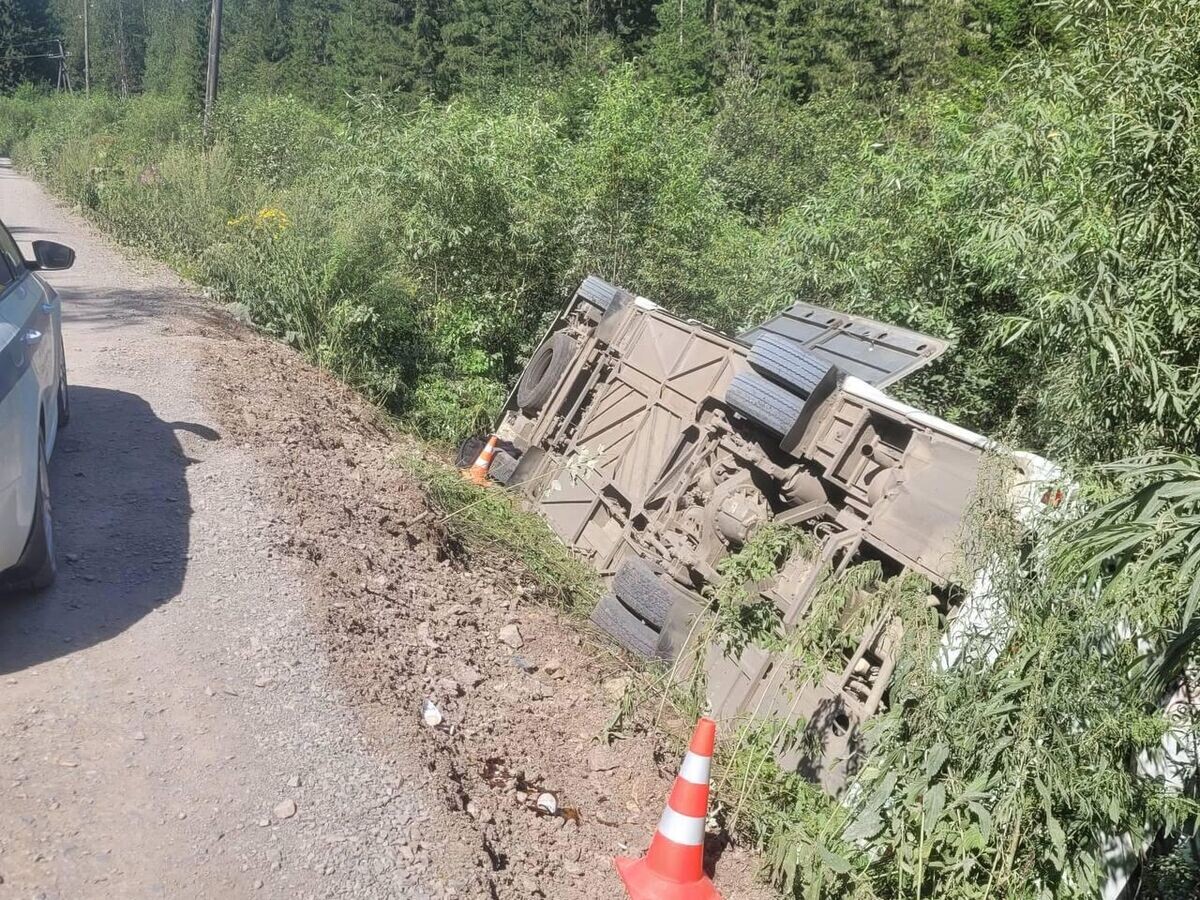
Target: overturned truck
{"type": "Point", "coordinates": [656, 446]}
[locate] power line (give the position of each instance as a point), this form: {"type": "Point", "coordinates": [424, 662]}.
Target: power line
{"type": "Point", "coordinates": [36, 56]}
{"type": "Point", "coordinates": [64, 74]}
{"type": "Point", "coordinates": [35, 43]}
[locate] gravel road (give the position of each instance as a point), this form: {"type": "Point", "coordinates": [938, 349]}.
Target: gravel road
{"type": "Point", "coordinates": [222, 695]}
{"type": "Point", "coordinates": [164, 705]}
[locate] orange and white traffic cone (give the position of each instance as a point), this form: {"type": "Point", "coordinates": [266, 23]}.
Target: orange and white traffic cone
{"type": "Point", "coordinates": [673, 867]}
{"type": "Point", "coordinates": [479, 469]}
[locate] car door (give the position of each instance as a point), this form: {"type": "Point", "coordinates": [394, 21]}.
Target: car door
{"type": "Point", "coordinates": [27, 361]}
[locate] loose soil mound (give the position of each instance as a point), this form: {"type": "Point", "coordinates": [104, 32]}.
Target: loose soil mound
{"type": "Point", "coordinates": [408, 616]}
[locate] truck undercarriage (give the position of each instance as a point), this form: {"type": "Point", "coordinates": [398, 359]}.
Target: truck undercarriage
{"type": "Point", "coordinates": [656, 447]}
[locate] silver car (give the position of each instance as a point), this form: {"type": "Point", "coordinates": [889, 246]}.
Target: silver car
{"type": "Point", "coordinates": [33, 406]}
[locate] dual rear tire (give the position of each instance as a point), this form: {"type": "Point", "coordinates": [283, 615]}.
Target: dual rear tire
{"type": "Point", "coordinates": [641, 608]}
{"type": "Point", "coordinates": [786, 379]}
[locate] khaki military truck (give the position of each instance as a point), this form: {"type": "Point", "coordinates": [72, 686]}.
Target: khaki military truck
{"type": "Point", "coordinates": [655, 446]}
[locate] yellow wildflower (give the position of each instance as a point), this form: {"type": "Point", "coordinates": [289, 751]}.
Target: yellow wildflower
{"type": "Point", "coordinates": [272, 217]}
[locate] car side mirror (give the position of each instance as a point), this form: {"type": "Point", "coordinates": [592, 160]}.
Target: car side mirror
{"type": "Point", "coordinates": [50, 255]}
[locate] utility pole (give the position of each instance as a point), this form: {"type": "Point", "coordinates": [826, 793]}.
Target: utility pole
{"type": "Point", "coordinates": [214, 64]}
{"type": "Point", "coordinates": [64, 74]}
{"type": "Point", "coordinates": [87, 56]}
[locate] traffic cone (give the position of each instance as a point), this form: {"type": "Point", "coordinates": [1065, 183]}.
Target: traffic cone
{"type": "Point", "coordinates": [479, 469]}
{"type": "Point", "coordinates": [673, 867]}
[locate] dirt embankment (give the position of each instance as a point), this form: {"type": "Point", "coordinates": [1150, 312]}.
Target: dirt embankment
{"type": "Point", "coordinates": [407, 616]}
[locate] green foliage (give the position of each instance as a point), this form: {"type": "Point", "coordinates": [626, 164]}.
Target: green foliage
{"type": "Point", "coordinates": [1087, 178]}
{"type": "Point", "coordinates": [439, 48]}
{"type": "Point", "coordinates": [1174, 874]}
{"type": "Point", "coordinates": [1019, 178]}
{"type": "Point", "coordinates": [26, 40]}
{"type": "Point", "coordinates": [1000, 776]}
{"type": "Point", "coordinates": [743, 615]}
{"type": "Point", "coordinates": [797, 828]}
{"type": "Point", "coordinates": [1144, 524]}
{"type": "Point", "coordinates": [1003, 776]}
{"type": "Point", "coordinates": [18, 115]}
{"type": "Point", "coordinates": [420, 254]}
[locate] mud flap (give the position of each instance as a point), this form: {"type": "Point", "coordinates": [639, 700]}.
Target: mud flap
{"type": "Point", "coordinates": [680, 631]}
{"type": "Point", "coordinates": [504, 465]}
{"type": "Point", "coordinates": [640, 588]}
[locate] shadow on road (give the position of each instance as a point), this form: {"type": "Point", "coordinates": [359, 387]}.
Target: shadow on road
{"type": "Point", "coordinates": [112, 310]}
{"type": "Point", "coordinates": [122, 515]}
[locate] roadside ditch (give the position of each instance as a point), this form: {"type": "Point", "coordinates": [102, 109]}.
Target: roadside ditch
{"type": "Point", "coordinates": [467, 672]}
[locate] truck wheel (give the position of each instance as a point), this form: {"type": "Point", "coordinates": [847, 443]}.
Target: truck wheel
{"type": "Point", "coordinates": [504, 465]}
{"type": "Point", "coordinates": [544, 371]}
{"type": "Point", "coordinates": [644, 591]}
{"type": "Point", "coordinates": [788, 364]}
{"type": "Point", "coordinates": [37, 567]}
{"type": "Point", "coordinates": [627, 629]}
{"type": "Point", "coordinates": [771, 406]}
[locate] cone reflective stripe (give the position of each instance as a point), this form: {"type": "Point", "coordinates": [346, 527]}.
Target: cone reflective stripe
{"type": "Point", "coordinates": [479, 469]}
{"type": "Point", "coordinates": [673, 867]}
{"type": "Point", "coordinates": [695, 768]}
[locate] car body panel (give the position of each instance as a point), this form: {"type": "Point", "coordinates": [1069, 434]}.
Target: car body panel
{"type": "Point", "coordinates": [30, 370]}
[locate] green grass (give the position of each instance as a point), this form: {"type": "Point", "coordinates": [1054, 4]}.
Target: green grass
{"type": "Point", "coordinates": [489, 520]}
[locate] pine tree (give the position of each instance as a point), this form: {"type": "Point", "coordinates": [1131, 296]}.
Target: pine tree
{"type": "Point", "coordinates": [256, 37]}
{"type": "Point", "coordinates": [683, 52]}
{"type": "Point", "coordinates": [308, 68]}
{"type": "Point", "coordinates": [25, 26]}
{"type": "Point", "coordinates": [428, 79]}
{"type": "Point", "coordinates": [473, 46]}
{"type": "Point", "coordinates": [371, 47]}
{"type": "Point", "coordinates": [175, 48]}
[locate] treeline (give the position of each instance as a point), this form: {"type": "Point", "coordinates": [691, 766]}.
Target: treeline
{"type": "Point", "coordinates": [959, 166]}
{"type": "Point", "coordinates": [416, 49]}
{"type": "Point", "coordinates": [27, 35]}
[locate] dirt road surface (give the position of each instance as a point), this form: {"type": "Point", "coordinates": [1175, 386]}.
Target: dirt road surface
{"type": "Point", "coordinates": [221, 696]}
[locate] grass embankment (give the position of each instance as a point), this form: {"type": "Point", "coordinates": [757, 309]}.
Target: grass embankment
{"type": "Point", "coordinates": [417, 254]}
{"type": "Point", "coordinates": [491, 521]}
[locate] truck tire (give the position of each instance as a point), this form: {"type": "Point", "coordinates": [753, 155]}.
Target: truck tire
{"type": "Point", "coordinates": [37, 567]}
{"type": "Point", "coordinates": [598, 291]}
{"type": "Point", "coordinates": [641, 589]}
{"type": "Point", "coordinates": [544, 371]}
{"type": "Point", "coordinates": [623, 626]}
{"type": "Point", "coordinates": [771, 406]}
{"type": "Point", "coordinates": [788, 364]}
{"type": "Point", "coordinates": [504, 465]}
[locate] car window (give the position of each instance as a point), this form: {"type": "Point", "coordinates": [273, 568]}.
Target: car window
{"type": "Point", "coordinates": [11, 261]}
